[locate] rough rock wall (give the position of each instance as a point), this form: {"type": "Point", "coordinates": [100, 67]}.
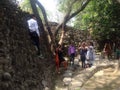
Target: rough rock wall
{"type": "Point", "coordinates": [20, 68]}
{"type": "Point", "coordinates": [72, 34]}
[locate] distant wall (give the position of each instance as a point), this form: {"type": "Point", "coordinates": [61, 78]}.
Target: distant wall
{"type": "Point", "coordinates": [72, 34]}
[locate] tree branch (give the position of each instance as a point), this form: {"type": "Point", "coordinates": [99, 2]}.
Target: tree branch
{"type": "Point", "coordinates": [79, 10]}
{"type": "Point", "coordinates": [34, 8]}
{"type": "Point", "coordinates": [68, 16]}
{"type": "Point", "coordinates": [45, 18]}
{"type": "Point", "coordinates": [65, 18]}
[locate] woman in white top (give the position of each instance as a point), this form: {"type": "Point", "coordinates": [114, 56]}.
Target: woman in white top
{"type": "Point", "coordinates": [90, 53]}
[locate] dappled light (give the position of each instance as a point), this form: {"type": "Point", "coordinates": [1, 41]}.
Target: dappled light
{"type": "Point", "coordinates": [74, 45]}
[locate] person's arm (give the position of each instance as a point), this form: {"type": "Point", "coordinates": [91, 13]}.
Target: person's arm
{"type": "Point", "coordinates": [104, 49]}
{"type": "Point", "coordinates": [75, 51]}
{"type": "Point", "coordinates": [36, 28]}
{"type": "Point", "coordinates": [69, 50]}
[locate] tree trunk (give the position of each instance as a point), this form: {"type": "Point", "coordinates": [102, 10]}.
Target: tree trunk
{"type": "Point", "coordinates": [45, 18]}
{"type": "Point", "coordinates": [52, 39]}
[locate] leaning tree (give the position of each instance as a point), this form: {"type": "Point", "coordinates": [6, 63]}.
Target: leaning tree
{"type": "Point", "coordinates": [70, 13]}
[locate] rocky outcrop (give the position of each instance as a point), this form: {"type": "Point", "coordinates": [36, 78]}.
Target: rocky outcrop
{"type": "Point", "coordinates": [72, 34]}
{"type": "Point", "coordinates": [20, 68]}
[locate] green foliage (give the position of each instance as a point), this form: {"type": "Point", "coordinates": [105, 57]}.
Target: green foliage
{"type": "Point", "coordinates": [25, 6]}
{"type": "Point", "coordinates": [103, 18]}
{"type": "Point", "coordinates": [107, 22]}
{"type": "Point", "coordinates": [100, 16]}
{"type": "Point", "coordinates": [83, 19]}
{"type": "Point", "coordinates": [78, 21]}
{"type": "Point", "coordinates": [64, 5]}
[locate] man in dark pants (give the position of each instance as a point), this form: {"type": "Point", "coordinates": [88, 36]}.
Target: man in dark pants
{"type": "Point", "coordinates": [34, 32]}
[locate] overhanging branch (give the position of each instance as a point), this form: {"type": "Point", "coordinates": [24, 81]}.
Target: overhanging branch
{"type": "Point", "coordinates": [45, 17]}
{"type": "Point", "coordinates": [79, 10]}
{"type": "Point", "coordinates": [68, 16]}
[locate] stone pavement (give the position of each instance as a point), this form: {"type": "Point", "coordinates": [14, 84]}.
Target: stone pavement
{"type": "Point", "coordinates": [75, 77]}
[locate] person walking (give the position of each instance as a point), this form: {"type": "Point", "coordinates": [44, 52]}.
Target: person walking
{"type": "Point", "coordinates": [71, 53]}
{"type": "Point", "coordinates": [107, 50]}
{"type": "Point", "coordinates": [34, 32]}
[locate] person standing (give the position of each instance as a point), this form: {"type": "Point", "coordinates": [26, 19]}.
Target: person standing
{"type": "Point", "coordinates": [34, 32]}
{"type": "Point", "coordinates": [59, 59]}
{"type": "Point", "coordinates": [90, 53]}
{"type": "Point", "coordinates": [118, 52]}
{"type": "Point", "coordinates": [83, 52]}
{"type": "Point", "coordinates": [108, 50]}
{"type": "Point", "coordinates": [71, 53]}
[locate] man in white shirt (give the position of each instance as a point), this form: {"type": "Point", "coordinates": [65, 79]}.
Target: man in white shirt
{"type": "Point", "coordinates": [34, 32]}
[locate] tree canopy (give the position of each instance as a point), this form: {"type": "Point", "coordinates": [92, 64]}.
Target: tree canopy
{"type": "Point", "coordinates": [100, 17]}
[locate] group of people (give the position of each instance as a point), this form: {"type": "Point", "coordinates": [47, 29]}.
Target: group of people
{"type": "Point", "coordinates": [87, 54]}
{"type": "Point", "coordinates": [86, 51]}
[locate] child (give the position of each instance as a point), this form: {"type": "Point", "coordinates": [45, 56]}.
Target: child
{"type": "Point", "coordinates": [59, 58]}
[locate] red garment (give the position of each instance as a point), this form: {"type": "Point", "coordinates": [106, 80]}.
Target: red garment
{"type": "Point", "coordinates": [57, 59]}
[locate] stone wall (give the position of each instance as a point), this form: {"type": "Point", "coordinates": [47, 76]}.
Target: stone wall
{"type": "Point", "coordinates": [20, 68]}
{"type": "Point", "coordinates": [72, 34]}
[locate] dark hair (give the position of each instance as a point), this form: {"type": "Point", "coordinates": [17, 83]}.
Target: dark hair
{"type": "Point", "coordinates": [91, 43]}
{"type": "Point", "coordinates": [59, 45]}
{"type": "Point", "coordinates": [32, 15]}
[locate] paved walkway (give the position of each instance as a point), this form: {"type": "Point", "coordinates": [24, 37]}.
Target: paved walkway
{"type": "Point", "coordinates": [73, 77]}
{"type": "Point", "coordinates": [104, 80]}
